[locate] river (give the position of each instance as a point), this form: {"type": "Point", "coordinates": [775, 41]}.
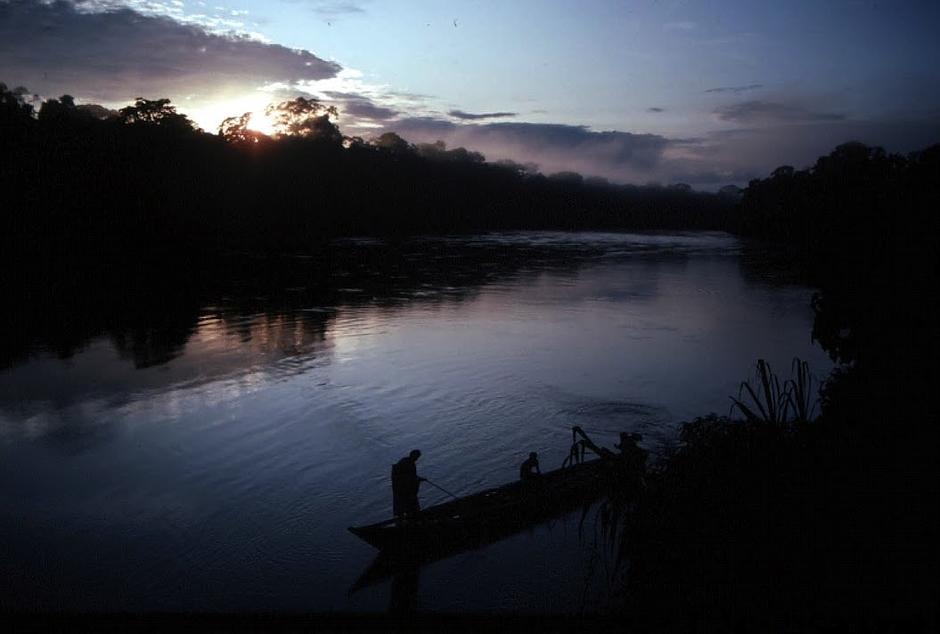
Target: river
{"type": "Point", "coordinates": [211, 458]}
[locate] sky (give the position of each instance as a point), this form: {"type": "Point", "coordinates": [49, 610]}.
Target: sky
{"type": "Point", "coordinates": [706, 92]}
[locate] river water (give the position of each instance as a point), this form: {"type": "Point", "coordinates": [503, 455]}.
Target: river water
{"type": "Point", "coordinates": [212, 459]}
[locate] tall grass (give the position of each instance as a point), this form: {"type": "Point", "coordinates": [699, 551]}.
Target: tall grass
{"type": "Point", "coordinates": [774, 402]}
{"type": "Point", "coordinates": [803, 397]}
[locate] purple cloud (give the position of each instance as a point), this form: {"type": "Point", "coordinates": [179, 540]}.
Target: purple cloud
{"type": "Point", "coordinates": [469, 116]}
{"type": "Point", "coordinates": [360, 107]}
{"type": "Point", "coordinates": [118, 54]}
{"type": "Point", "coordinates": [735, 89]}
{"type": "Point", "coordinates": [771, 112]}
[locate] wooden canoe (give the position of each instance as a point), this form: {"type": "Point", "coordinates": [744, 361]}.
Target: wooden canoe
{"type": "Point", "coordinates": [489, 515]}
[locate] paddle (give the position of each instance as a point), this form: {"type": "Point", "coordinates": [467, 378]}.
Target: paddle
{"type": "Point", "coordinates": [441, 488]}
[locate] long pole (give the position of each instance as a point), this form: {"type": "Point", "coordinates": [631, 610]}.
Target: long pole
{"type": "Point", "coordinates": [441, 488]}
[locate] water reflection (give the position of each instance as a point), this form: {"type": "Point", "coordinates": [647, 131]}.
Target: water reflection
{"type": "Point", "coordinates": [226, 429]}
{"type": "Point", "coordinates": [403, 595]}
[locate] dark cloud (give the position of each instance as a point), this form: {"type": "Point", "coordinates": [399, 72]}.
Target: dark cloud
{"type": "Point", "coordinates": [656, 109]}
{"type": "Point", "coordinates": [469, 116]}
{"type": "Point", "coordinates": [361, 107]}
{"type": "Point", "coordinates": [423, 128]}
{"type": "Point", "coordinates": [118, 54]}
{"type": "Point", "coordinates": [619, 148]}
{"type": "Point", "coordinates": [408, 96]}
{"type": "Point", "coordinates": [736, 89]}
{"type": "Point", "coordinates": [755, 111]}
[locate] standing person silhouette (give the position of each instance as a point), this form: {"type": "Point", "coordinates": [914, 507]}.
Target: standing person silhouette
{"type": "Point", "coordinates": [405, 483]}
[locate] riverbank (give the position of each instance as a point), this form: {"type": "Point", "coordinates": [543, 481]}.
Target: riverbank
{"type": "Point", "coordinates": [824, 522]}
{"type": "Point", "coordinates": [785, 526]}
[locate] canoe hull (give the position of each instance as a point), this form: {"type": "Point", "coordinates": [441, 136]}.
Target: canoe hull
{"type": "Point", "coordinates": [489, 515]}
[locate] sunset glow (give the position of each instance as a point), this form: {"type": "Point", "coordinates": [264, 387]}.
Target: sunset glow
{"type": "Point", "coordinates": [210, 116]}
{"type": "Point", "coordinates": [704, 94]}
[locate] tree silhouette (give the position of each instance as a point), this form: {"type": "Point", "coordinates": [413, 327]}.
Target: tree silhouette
{"type": "Point", "coordinates": [393, 143]}
{"type": "Point", "coordinates": [306, 117]}
{"type": "Point", "coordinates": [13, 106]}
{"type": "Point", "coordinates": [236, 130]}
{"type": "Point", "coordinates": [156, 112]}
{"type": "Point", "coordinates": [64, 113]}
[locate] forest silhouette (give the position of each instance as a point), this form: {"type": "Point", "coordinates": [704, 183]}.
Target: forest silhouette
{"type": "Point", "coordinates": [145, 179]}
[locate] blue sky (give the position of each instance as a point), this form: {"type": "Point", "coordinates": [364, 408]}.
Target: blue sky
{"type": "Point", "coordinates": [703, 92]}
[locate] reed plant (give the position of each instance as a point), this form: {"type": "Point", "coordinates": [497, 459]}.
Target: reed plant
{"type": "Point", "coordinates": [777, 402]}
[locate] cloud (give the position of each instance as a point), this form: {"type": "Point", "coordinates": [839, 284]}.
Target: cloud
{"type": "Point", "coordinates": [333, 9]}
{"type": "Point", "coordinates": [118, 54]}
{"type": "Point", "coordinates": [360, 106]}
{"type": "Point", "coordinates": [708, 162]}
{"type": "Point", "coordinates": [415, 97]}
{"type": "Point", "coordinates": [735, 89]}
{"type": "Point", "coordinates": [216, 19]}
{"type": "Point", "coordinates": [469, 116]}
{"type": "Point", "coordinates": [736, 156]}
{"type": "Point", "coordinates": [655, 109]}
{"type": "Point", "coordinates": [619, 156]}
{"type": "Point", "coordinates": [337, 8]}
{"type": "Point", "coordinates": [763, 112]}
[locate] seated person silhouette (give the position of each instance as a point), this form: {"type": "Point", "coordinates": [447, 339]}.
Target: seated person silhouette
{"type": "Point", "coordinates": [632, 460]}
{"type": "Point", "coordinates": [529, 470]}
{"type": "Point", "coordinates": [630, 451]}
{"type": "Point", "coordinates": [405, 483]}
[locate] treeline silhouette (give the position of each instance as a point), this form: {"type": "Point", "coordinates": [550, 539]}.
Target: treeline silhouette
{"type": "Point", "coordinates": [82, 179]}
{"type": "Point", "coordinates": [772, 522]}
